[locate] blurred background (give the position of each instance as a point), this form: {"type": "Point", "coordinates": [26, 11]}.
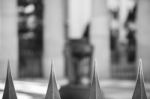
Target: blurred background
{"type": "Point", "coordinates": [73, 33]}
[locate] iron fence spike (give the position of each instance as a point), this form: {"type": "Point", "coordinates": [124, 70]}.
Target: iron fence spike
{"type": "Point", "coordinates": [9, 90]}
{"type": "Point", "coordinates": [52, 91]}
{"type": "Point", "coordinates": [95, 91]}
{"type": "Point", "coordinates": [139, 91]}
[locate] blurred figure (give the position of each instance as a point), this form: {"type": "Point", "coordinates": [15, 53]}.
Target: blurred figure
{"type": "Point", "coordinates": [30, 38]}
{"type": "Point", "coordinates": [123, 42]}
{"type": "Point", "coordinates": [130, 25]}
{"type": "Point", "coordinates": [78, 54]}
{"type": "Point", "coordinates": [132, 46]}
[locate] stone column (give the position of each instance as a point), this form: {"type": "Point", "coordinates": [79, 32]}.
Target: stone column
{"type": "Point", "coordinates": [8, 37]}
{"type": "Point", "coordinates": [53, 37]}
{"type": "Point", "coordinates": [79, 14]}
{"type": "Point", "coordinates": [100, 37]}
{"type": "Point", "coordinates": [143, 35]}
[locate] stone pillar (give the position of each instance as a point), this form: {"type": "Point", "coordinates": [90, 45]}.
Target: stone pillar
{"type": "Point", "coordinates": [143, 35]}
{"type": "Point", "coordinates": [8, 37]}
{"type": "Point", "coordinates": [100, 37]}
{"type": "Point", "coordinates": [79, 13]}
{"type": "Point", "coordinates": [53, 37]}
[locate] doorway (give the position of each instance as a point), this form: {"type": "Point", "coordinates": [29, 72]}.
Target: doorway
{"type": "Point", "coordinates": [30, 33]}
{"type": "Point", "coordinates": [123, 42]}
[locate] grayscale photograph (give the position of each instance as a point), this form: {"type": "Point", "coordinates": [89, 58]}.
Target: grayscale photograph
{"type": "Point", "coordinates": [74, 49]}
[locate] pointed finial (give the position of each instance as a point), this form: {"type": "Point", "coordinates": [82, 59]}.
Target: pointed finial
{"type": "Point", "coordinates": [9, 91]}
{"type": "Point", "coordinates": [140, 68]}
{"type": "Point", "coordinates": [93, 69]}
{"type": "Point", "coordinates": [95, 91]}
{"type": "Point", "coordinates": [139, 91]}
{"type": "Point", "coordinates": [52, 91]}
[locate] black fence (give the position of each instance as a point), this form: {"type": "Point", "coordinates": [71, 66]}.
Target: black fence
{"type": "Point", "coordinates": [92, 92]}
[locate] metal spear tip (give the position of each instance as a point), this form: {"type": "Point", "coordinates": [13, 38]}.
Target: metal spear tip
{"type": "Point", "coordinates": [52, 91]}
{"type": "Point", "coordinates": [93, 70]}
{"type": "Point", "coordinates": [9, 90]}
{"type": "Point", "coordinates": [8, 70]}
{"type": "Point", "coordinates": [95, 90]}
{"type": "Point", "coordinates": [139, 91]}
{"type": "Point", "coordinates": [141, 68]}
{"type": "Point", "coordinates": [52, 70]}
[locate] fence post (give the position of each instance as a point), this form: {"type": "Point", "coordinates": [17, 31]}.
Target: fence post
{"type": "Point", "coordinates": [9, 91]}
{"type": "Point", "coordinates": [52, 91]}
{"type": "Point", "coordinates": [139, 91]}
{"type": "Point", "coordinates": [95, 91]}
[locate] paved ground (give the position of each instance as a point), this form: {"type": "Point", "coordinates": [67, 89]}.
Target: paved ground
{"type": "Point", "coordinates": [113, 89]}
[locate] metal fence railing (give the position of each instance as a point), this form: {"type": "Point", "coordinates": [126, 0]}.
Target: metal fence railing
{"type": "Point", "coordinates": [95, 91]}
